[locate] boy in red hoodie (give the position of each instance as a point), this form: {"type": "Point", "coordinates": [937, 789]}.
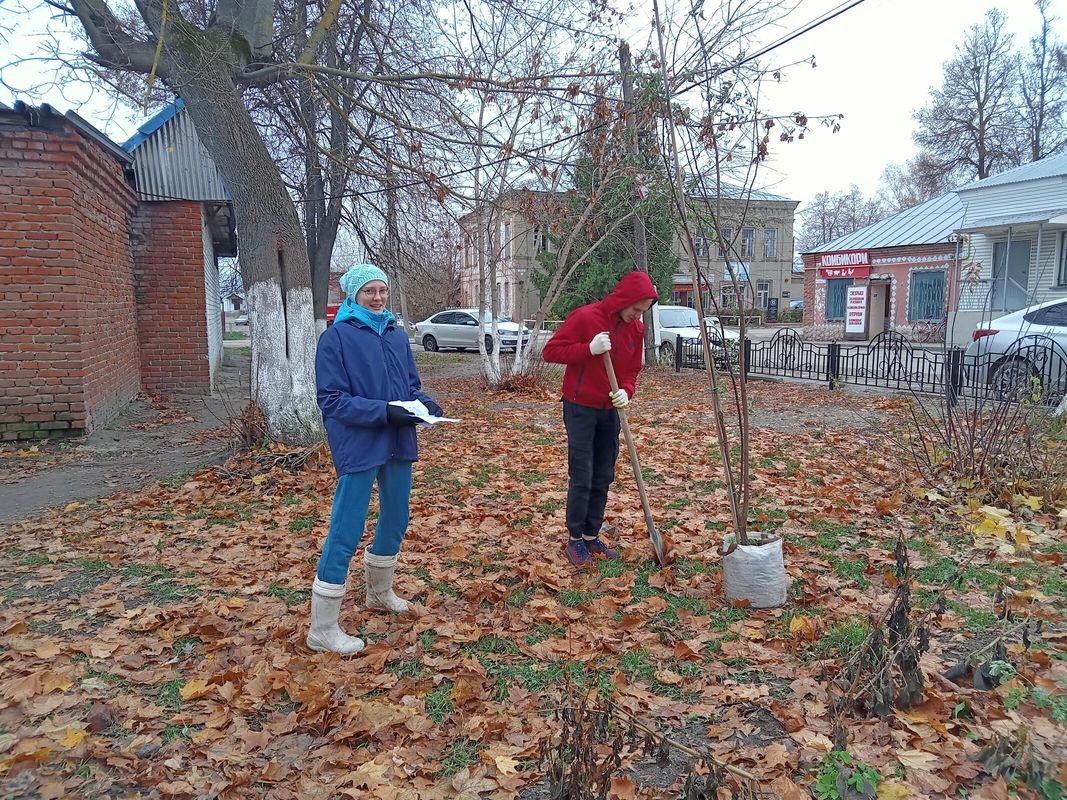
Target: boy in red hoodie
{"type": "Point", "coordinates": [590, 407]}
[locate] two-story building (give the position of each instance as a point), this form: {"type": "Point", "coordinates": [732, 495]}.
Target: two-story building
{"type": "Point", "coordinates": [757, 225]}
{"type": "Point", "coordinates": [756, 230]}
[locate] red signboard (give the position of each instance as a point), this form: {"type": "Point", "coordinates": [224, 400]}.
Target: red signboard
{"type": "Point", "coordinates": [844, 264]}
{"type": "Point", "coordinates": [845, 272]}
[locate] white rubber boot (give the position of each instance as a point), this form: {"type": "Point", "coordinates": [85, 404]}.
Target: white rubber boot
{"type": "Point", "coordinates": [379, 573]}
{"type": "Point", "coordinates": [326, 635]}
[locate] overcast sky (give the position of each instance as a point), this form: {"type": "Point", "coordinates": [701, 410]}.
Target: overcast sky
{"type": "Point", "coordinates": [876, 65]}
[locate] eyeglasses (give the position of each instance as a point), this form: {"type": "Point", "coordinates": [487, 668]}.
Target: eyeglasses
{"type": "Point", "coordinates": [374, 292]}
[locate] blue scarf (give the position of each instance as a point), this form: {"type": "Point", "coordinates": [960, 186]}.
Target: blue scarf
{"type": "Point", "coordinates": [376, 322]}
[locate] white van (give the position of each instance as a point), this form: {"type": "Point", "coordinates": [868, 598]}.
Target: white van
{"type": "Point", "coordinates": [672, 323]}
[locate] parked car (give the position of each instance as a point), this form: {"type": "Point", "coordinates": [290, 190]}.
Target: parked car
{"type": "Point", "coordinates": [458, 328]}
{"type": "Point", "coordinates": [681, 322]}
{"type": "Point", "coordinates": [241, 321]}
{"type": "Point", "coordinates": [798, 303]}
{"type": "Point", "coordinates": [1016, 352]}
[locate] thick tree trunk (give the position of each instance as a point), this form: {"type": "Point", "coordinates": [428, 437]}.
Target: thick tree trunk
{"type": "Point", "coordinates": [272, 253]}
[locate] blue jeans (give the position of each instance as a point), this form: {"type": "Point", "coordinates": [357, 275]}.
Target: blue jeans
{"type": "Point", "coordinates": [348, 519]}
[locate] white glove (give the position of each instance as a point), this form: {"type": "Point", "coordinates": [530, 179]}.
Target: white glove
{"type": "Point", "coordinates": [619, 398]}
{"type": "Point", "coordinates": [601, 344]}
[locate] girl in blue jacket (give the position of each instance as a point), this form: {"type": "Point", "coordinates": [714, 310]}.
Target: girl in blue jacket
{"type": "Point", "coordinates": [364, 362]}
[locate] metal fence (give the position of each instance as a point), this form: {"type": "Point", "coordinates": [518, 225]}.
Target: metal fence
{"type": "Point", "coordinates": [1034, 366]}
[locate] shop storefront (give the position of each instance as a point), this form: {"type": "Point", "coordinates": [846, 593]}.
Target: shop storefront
{"type": "Point", "coordinates": [896, 274]}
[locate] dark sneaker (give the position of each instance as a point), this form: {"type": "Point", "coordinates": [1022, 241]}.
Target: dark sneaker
{"type": "Point", "coordinates": [578, 554]}
{"type": "Point", "coordinates": [598, 549]}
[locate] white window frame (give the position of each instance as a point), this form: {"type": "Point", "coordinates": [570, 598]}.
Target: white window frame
{"type": "Point", "coordinates": [1061, 273]}
{"type": "Point", "coordinates": [763, 293]}
{"type": "Point", "coordinates": [724, 243]}
{"type": "Point", "coordinates": [770, 237]}
{"type": "Point", "coordinates": [748, 243]}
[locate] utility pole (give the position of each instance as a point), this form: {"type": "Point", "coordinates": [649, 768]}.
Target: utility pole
{"type": "Point", "coordinates": [640, 234]}
{"type": "Point", "coordinates": [392, 238]}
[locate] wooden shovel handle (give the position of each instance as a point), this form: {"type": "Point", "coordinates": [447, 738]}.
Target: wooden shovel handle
{"type": "Point", "coordinates": [625, 424]}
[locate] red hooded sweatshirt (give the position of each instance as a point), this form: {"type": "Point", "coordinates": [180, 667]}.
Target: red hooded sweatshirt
{"type": "Point", "coordinates": [586, 381]}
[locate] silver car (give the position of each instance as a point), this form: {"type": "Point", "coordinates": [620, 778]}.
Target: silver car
{"type": "Point", "coordinates": [1021, 352]}
{"type": "Point", "coordinates": [458, 328]}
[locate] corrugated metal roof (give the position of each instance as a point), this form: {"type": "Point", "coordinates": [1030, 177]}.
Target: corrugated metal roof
{"type": "Point", "coordinates": [170, 161]}
{"type": "Point", "coordinates": [1049, 167]}
{"type": "Point", "coordinates": [927, 223]}
{"type": "Point", "coordinates": [1031, 218]}
{"type": "Point", "coordinates": [732, 191]}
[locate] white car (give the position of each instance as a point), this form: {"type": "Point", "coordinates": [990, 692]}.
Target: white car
{"type": "Point", "coordinates": [1022, 350]}
{"type": "Point", "coordinates": [681, 322]}
{"type": "Point", "coordinates": [458, 328]}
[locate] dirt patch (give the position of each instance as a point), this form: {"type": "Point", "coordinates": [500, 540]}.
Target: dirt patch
{"type": "Point", "coordinates": [154, 437]}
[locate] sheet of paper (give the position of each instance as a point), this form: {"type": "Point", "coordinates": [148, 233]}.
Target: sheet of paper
{"type": "Point", "coordinates": [419, 409]}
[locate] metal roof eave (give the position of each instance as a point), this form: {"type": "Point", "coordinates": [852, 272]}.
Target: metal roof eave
{"type": "Point", "coordinates": [1053, 217]}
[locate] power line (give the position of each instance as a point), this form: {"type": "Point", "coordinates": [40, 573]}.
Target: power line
{"type": "Point", "coordinates": [782, 41]}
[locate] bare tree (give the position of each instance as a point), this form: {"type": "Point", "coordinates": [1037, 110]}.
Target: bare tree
{"type": "Point", "coordinates": [829, 216]}
{"type": "Point", "coordinates": [1043, 91]}
{"type": "Point", "coordinates": [902, 186]}
{"type": "Point", "coordinates": [969, 125]}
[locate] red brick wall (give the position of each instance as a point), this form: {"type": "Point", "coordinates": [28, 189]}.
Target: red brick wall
{"type": "Point", "coordinates": [66, 284]}
{"type": "Point", "coordinates": [107, 315]}
{"type": "Point", "coordinates": [171, 312]}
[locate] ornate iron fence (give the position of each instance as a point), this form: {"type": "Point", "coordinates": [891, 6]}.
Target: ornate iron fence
{"type": "Point", "coordinates": [1032, 367]}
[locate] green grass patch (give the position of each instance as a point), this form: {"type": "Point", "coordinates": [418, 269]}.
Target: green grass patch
{"type": "Point", "coordinates": [170, 694]}
{"type": "Point", "coordinates": [439, 702]}
{"type": "Point", "coordinates": [519, 597]}
{"type": "Point", "coordinates": [291, 597]}
{"type": "Point", "coordinates": [573, 598]}
{"type": "Point", "coordinates": [543, 632]}
{"type": "Point", "coordinates": [723, 618]}
{"type": "Point", "coordinates": [427, 639]}
{"type": "Point", "coordinates": [611, 568]}
{"type": "Point", "coordinates": [34, 560]}
{"type": "Point", "coordinates": [409, 668]}
{"type": "Point", "coordinates": [851, 570]}
{"type": "Point", "coordinates": [461, 753]}
{"type": "Point", "coordinates": [304, 523]}
{"type": "Point", "coordinates": [843, 639]}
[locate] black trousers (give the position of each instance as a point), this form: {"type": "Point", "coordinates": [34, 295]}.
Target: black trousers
{"type": "Point", "coordinates": [592, 447]}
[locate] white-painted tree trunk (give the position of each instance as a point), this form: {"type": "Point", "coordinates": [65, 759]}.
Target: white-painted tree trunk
{"type": "Point", "coordinates": [283, 363]}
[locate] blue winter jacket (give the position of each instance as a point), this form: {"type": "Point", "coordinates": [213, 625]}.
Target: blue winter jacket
{"type": "Point", "coordinates": [357, 372]}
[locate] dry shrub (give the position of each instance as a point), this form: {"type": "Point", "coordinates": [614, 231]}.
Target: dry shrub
{"type": "Point", "coordinates": [248, 430]}
{"type": "Point", "coordinates": [992, 449]}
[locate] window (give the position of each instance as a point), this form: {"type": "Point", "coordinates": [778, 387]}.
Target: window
{"type": "Point", "coordinates": [700, 244]}
{"type": "Point", "coordinates": [505, 251]}
{"type": "Point", "coordinates": [926, 299]}
{"type": "Point", "coordinates": [763, 291]}
{"type": "Point", "coordinates": [676, 298]}
{"type": "Point", "coordinates": [748, 242]}
{"type": "Point", "coordinates": [724, 243]}
{"type": "Point", "coordinates": [770, 243]}
{"type": "Point", "coordinates": [1011, 274]}
{"type": "Point", "coordinates": [705, 301]}
{"type": "Point", "coordinates": [727, 298]}
{"type": "Point", "coordinates": [836, 289]}
{"type": "Point", "coordinates": [1061, 274]}
{"type": "Point", "coordinates": [1050, 315]}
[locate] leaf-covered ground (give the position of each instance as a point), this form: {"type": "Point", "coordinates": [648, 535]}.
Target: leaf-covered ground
{"type": "Point", "coordinates": [153, 642]}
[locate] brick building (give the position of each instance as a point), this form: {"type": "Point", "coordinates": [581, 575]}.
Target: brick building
{"type": "Point", "coordinates": [897, 273]}
{"type": "Point", "coordinates": [101, 294]}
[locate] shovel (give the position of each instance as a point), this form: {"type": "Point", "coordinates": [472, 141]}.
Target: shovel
{"type": "Point", "coordinates": [659, 551]}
